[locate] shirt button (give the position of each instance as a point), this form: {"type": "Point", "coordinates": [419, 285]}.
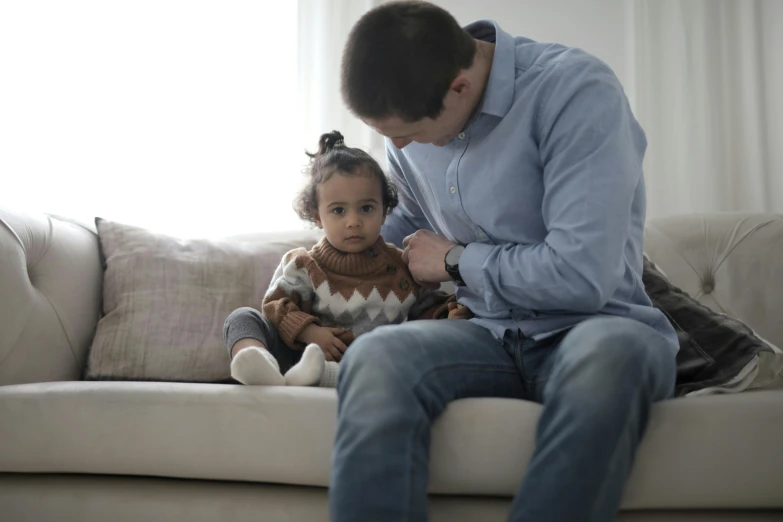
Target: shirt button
{"type": "Point", "coordinates": [481, 236]}
{"type": "Point", "coordinates": [453, 190]}
{"type": "Point", "coordinates": [461, 135]}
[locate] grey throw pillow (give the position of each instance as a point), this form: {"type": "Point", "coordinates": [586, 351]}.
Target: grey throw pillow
{"type": "Point", "coordinates": [165, 301]}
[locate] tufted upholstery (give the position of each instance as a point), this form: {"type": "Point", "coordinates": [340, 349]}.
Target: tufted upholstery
{"type": "Point", "coordinates": [50, 290]}
{"type": "Point", "coordinates": [730, 262]}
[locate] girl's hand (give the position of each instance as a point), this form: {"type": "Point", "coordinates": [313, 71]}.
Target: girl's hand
{"type": "Point", "coordinates": [326, 338]}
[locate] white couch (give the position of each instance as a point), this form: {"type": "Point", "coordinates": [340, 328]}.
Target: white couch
{"type": "Point", "coordinates": [92, 451]}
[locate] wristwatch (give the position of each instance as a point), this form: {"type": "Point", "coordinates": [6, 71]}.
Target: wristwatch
{"type": "Point", "coordinates": [452, 264]}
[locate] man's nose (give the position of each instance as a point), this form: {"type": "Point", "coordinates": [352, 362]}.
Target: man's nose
{"type": "Point", "coordinates": [400, 143]}
{"type": "Point", "coordinates": [354, 220]}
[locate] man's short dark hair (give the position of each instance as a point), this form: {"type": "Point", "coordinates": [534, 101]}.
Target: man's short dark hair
{"type": "Point", "coordinates": [400, 60]}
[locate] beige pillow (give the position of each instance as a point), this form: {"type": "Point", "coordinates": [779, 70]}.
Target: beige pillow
{"type": "Point", "coordinates": [165, 300]}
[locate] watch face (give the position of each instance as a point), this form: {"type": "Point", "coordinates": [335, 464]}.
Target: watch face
{"type": "Point", "coordinates": [452, 257]}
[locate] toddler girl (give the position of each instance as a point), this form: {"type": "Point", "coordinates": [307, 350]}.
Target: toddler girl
{"type": "Point", "coordinates": [352, 281]}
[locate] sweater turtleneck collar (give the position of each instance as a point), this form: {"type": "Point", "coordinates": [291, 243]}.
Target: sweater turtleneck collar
{"type": "Point", "coordinates": [357, 264]}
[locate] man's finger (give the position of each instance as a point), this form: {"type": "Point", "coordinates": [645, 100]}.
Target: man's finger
{"type": "Point", "coordinates": [338, 331]}
{"type": "Point", "coordinates": [340, 345]}
{"type": "Point", "coordinates": [328, 356]}
{"type": "Point", "coordinates": [407, 240]}
{"type": "Point", "coordinates": [405, 255]}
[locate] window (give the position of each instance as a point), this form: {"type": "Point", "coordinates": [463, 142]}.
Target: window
{"type": "Point", "coordinates": [177, 116]}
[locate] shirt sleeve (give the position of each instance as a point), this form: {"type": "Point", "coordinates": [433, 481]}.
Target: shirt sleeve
{"type": "Point", "coordinates": [408, 217]}
{"type": "Point", "coordinates": [591, 150]}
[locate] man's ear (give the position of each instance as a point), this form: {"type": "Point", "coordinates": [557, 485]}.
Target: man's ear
{"type": "Point", "coordinates": [317, 220]}
{"type": "Point", "coordinates": [461, 84]}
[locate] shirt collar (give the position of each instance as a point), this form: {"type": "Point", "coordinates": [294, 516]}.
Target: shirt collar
{"type": "Point", "coordinates": [499, 91]}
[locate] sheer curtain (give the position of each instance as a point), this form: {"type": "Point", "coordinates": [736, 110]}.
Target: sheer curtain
{"type": "Point", "coordinates": [323, 30]}
{"type": "Point", "coordinates": [708, 79]}
{"type": "Point", "coordinates": [174, 115]}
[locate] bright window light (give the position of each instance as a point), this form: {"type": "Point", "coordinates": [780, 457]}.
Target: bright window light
{"type": "Point", "coordinates": [178, 116]}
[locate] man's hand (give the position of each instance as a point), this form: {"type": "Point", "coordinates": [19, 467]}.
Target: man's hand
{"type": "Point", "coordinates": [324, 337]}
{"type": "Point", "coordinates": [425, 253]}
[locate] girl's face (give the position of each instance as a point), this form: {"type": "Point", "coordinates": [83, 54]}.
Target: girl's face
{"type": "Point", "coordinates": [350, 210]}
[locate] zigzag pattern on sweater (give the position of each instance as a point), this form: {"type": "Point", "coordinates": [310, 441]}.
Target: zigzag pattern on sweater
{"type": "Point", "coordinates": [386, 310]}
{"type": "Point", "coordinates": [359, 324]}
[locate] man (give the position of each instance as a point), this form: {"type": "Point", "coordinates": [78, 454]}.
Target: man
{"type": "Point", "coordinates": [519, 167]}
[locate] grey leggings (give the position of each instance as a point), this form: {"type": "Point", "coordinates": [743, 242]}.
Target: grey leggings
{"type": "Point", "coordinates": [248, 322]}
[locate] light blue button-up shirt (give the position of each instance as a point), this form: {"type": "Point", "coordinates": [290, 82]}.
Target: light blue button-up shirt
{"type": "Point", "coordinates": [545, 186]}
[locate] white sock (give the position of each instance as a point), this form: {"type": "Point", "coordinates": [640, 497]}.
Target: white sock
{"type": "Point", "coordinates": [308, 371]}
{"type": "Point", "coordinates": [254, 365]}
{"type": "Point", "coordinates": [329, 377]}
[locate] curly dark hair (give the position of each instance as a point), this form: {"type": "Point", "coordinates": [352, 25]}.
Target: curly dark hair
{"type": "Point", "coordinates": [333, 156]}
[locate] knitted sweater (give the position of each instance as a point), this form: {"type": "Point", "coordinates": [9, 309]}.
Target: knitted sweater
{"type": "Point", "coordinates": [354, 291]}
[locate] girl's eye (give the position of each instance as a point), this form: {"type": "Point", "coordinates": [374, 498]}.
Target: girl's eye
{"type": "Point", "coordinates": [367, 208]}
{"type": "Point", "coordinates": [338, 210]}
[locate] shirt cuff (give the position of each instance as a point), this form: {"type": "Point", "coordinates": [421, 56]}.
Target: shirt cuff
{"type": "Point", "coordinates": [471, 264]}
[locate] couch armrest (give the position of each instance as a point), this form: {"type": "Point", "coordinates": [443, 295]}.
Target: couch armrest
{"type": "Point", "coordinates": [731, 262]}
{"type": "Point", "coordinates": [50, 294]}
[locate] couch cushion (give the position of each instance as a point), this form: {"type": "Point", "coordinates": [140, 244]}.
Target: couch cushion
{"type": "Point", "coordinates": [165, 301]}
{"type": "Point", "coordinates": [716, 451]}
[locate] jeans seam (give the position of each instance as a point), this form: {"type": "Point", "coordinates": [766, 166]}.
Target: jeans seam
{"type": "Point", "coordinates": [633, 413]}
{"type": "Point", "coordinates": [416, 431]}
{"type": "Point", "coordinates": [611, 470]}
{"type": "Point", "coordinates": [411, 442]}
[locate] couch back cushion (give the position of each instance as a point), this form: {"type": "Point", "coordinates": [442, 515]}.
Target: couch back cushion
{"type": "Point", "coordinates": [165, 301]}
{"type": "Point", "coordinates": [51, 281]}
{"type": "Point", "coordinates": [730, 262]}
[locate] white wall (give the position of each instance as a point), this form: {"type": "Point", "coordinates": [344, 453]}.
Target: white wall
{"type": "Point", "coordinates": [598, 26]}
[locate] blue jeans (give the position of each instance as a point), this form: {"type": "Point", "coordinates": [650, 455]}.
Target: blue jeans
{"type": "Point", "coordinates": [596, 382]}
